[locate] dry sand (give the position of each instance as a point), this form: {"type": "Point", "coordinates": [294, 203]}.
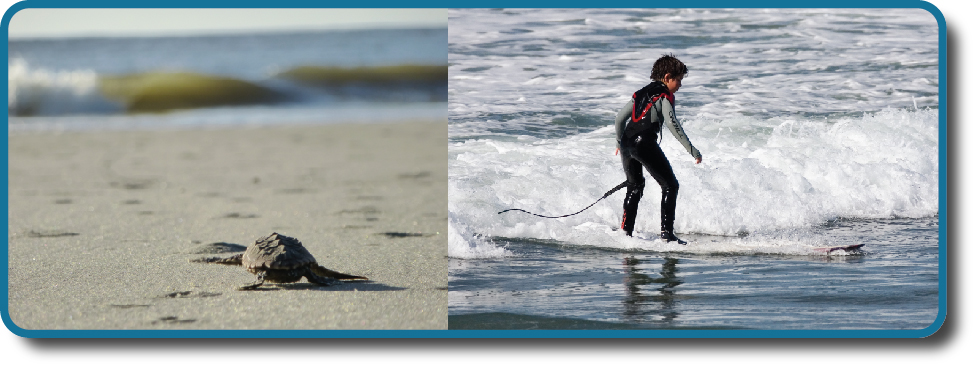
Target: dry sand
{"type": "Point", "coordinates": [103, 226]}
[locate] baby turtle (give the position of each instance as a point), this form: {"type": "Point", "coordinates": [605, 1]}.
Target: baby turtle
{"type": "Point", "coordinates": [281, 259]}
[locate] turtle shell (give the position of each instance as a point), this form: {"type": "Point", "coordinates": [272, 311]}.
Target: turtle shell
{"type": "Point", "coordinates": [277, 252]}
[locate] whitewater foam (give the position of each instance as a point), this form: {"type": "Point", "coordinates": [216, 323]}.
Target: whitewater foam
{"type": "Point", "coordinates": [38, 91]}
{"type": "Point", "coordinates": [776, 178]}
{"type": "Point", "coordinates": [524, 67]}
{"type": "Point", "coordinates": [804, 116]}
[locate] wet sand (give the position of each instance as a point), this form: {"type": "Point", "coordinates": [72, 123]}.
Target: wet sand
{"type": "Point", "coordinates": [103, 226]}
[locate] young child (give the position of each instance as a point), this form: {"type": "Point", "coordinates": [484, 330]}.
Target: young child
{"type": "Point", "coordinates": [637, 126]}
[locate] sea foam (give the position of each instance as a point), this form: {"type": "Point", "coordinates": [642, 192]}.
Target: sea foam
{"type": "Point", "coordinates": [774, 178]}
{"type": "Point", "coordinates": [38, 91]}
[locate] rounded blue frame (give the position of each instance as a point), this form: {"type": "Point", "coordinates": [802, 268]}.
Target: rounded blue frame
{"type": "Point", "coordinates": [546, 334]}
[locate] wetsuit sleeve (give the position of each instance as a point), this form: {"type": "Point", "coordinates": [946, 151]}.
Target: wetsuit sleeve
{"type": "Point", "coordinates": [670, 119]}
{"type": "Point", "coordinates": [621, 117]}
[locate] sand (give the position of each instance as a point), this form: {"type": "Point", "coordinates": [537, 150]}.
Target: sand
{"type": "Point", "coordinates": [103, 226]}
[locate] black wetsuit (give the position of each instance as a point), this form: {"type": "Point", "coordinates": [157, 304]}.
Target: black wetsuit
{"type": "Point", "coordinates": [637, 141]}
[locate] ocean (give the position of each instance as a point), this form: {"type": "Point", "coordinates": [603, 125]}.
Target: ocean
{"type": "Point", "coordinates": [818, 128]}
{"type": "Point", "coordinates": [177, 82]}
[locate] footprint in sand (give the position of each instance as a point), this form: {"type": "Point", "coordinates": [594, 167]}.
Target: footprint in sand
{"type": "Point", "coordinates": [419, 175]}
{"type": "Point", "coordinates": [403, 235]}
{"type": "Point", "coordinates": [129, 306]}
{"type": "Point", "coordinates": [220, 247]}
{"type": "Point", "coordinates": [237, 215]}
{"type": "Point", "coordinates": [49, 233]}
{"type": "Point", "coordinates": [173, 320]}
{"type": "Point", "coordinates": [190, 294]}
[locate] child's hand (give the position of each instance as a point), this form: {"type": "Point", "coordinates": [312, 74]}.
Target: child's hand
{"type": "Point", "coordinates": [698, 160]}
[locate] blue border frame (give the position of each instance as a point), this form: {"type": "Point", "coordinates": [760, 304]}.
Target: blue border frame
{"type": "Point", "coordinates": [942, 187]}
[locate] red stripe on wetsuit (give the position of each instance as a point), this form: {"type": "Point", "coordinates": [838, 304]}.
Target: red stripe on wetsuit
{"type": "Point", "coordinates": [653, 100]}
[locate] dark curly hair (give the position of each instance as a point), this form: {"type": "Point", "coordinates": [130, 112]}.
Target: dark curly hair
{"type": "Point", "coordinates": [668, 64]}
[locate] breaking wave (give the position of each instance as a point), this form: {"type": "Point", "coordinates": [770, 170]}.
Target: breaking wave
{"type": "Point", "coordinates": [775, 179]}
{"type": "Point", "coordinates": [41, 92]}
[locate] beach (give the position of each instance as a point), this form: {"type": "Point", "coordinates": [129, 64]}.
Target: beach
{"type": "Point", "coordinates": [103, 226]}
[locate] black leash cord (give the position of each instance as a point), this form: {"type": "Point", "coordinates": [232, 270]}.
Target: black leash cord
{"type": "Point", "coordinates": [610, 192]}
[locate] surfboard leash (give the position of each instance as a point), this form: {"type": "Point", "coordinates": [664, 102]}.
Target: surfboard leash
{"type": "Point", "coordinates": [610, 192]}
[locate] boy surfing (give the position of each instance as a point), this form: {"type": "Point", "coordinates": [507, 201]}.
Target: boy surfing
{"type": "Point", "coordinates": [637, 126]}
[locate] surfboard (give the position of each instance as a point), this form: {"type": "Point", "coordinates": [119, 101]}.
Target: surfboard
{"type": "Point", "coordinates": [846, 248]}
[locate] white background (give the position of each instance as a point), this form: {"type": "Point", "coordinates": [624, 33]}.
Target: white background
{"type": "Point", "coordinates": [947, 348]}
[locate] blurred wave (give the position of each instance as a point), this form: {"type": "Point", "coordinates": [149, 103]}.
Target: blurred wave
{"type": "Point", "coordinates": [33, 92]}
{"type": "Point", "coordinates": [164, 91]}
{"type": "Point", "coordinates": [381, 75]}
{"type": "Point", "coordinates": [392, 82]}
{"type": "Point", "coordinates": [43, 92]}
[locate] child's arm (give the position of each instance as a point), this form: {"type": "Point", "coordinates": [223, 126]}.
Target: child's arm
{"type": "Point", "coordinates": [621, 117]}
{"type": "Point", "coordinates": [670, 118]}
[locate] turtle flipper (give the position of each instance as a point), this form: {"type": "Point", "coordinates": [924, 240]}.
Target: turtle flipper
{"type": "Point", "coordinates": [260, 281]}
{"type": "Point", "coordinates": [322, 271]}
{"type": "Point", "coordinates": [314, 277]}
{"type": "Point", "coordinates": [235, 260]}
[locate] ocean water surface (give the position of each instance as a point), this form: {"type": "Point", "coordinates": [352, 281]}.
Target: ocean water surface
{"type": "Point", "coordinates": [818, 128]}
{"type": "Point", "coordinates": [308, 77]}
